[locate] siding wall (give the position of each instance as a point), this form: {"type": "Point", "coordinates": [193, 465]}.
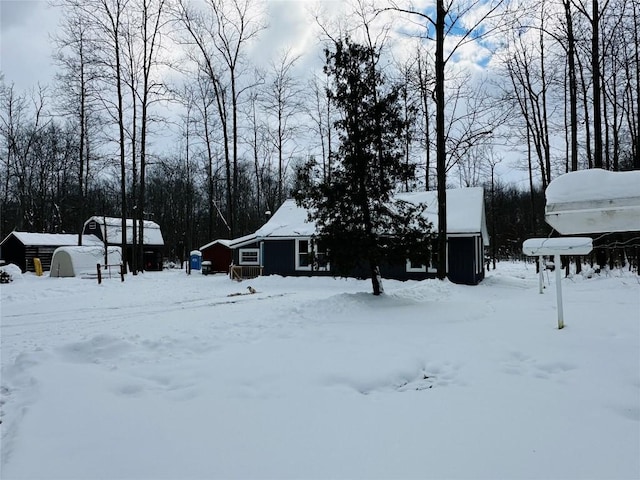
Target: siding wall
{"type": "Point", "coordinates": [279, 258]}
{"type": "Point", "coordinates": [465, 262]}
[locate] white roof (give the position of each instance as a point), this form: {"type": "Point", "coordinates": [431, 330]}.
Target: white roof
{"type": "Point", "coordinates": [290, 220]}
{"type": "Point", "coordinates": [465, 208]}
{"type": "Point", "coordinates": [240, 241]}
{"type": "Point", "coordinates": [594, 201]}
{"type": "Point", "coordinates": [53, 239]}
{"type": "Point", "coordinates": [221, 241]}
{"type": "Point", "coordinates": [557, 246]}
{"type": "Point", "coordinates": [152, 232]}
{"type": "Point", "coordinates": [465, 214]}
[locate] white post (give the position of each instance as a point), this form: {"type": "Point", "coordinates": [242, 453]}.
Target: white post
{"type": "Point", "coordinates": [556, 260]}
{"type": "Point", "coordinates": [541, 276]}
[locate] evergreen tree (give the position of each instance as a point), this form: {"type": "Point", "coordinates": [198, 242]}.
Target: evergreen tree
{"type": "Point", "coordinates": [359, 224]}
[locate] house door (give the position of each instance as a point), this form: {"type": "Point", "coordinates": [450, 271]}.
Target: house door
{"type": "Point", "coordinates": [152, 261]}
{"type": "Point", "coordinates": [462, 260]}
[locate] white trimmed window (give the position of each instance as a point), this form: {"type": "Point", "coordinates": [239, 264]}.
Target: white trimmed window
{"type": "Point", "coordinates": [303, 254]}
{"type": "Point", "coordinates": [413, 267]}
{"type": "Point", "coordinates": [249, 256]}
{"type": "Point", "coordinates": [309, 256]}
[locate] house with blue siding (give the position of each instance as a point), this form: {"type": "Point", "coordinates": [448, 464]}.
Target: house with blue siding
{"type": "Point", "coordinates": [286, 245]}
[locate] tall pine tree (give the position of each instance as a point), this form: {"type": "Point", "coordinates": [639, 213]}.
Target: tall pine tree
{"type": "Point", "coordinates": [359, 223]}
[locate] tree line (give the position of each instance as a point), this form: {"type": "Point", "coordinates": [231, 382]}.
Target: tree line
{"type": "Point", "coordinates": [159, 111]}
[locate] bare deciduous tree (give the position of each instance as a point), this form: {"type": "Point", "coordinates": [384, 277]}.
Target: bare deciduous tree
{"type": "Point", "coordinates": [220, 35]}
{"type": "Point", "coordinates": [282, 104]}
{"type": "Point", "coordinates": [446, 23]}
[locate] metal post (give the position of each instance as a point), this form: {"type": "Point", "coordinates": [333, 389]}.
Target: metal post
{"type": "Point", "coordinates": [556, 260]}
{"type": "Point", "coordinates": [541, 274]}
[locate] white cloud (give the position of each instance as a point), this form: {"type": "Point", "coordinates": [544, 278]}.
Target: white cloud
{"type": "Point", "coordinates": [25, 46]}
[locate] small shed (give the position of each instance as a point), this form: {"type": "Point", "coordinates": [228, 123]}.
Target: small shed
{"type": "Point", "coordinates": [20, 248]}
{"type": "Point", "coordinates": [77, 261]}
{"type": "Point", "coordinates": [109, 230]}
{"type": "Point", "coordinates": [220, 255]}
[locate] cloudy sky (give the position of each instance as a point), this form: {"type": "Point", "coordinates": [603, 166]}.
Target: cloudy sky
{"type": "Point", "coordinates": [25, 50]}
{"type": "Point", "coordinates": [27, 27]}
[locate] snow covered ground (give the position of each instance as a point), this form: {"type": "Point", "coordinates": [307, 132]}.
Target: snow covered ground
{"type": "Point", "coordinates": [166, 376]}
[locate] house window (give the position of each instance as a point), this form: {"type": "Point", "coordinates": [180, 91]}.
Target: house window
{"type": "Point", "coordinates": [250, 256]}
{"type": "Point", "coordinates": [303, 255]}
{"type": "Point", "coordinates": [415, 267]}
{"type": "Point", "coordinates": [311, 256]}
{"type": "Point", "coordinates": [321, 257]}
{"type": "Point", "coordinates": [433, 258]}
{"type": "Point", "coordinates": [431, 267]}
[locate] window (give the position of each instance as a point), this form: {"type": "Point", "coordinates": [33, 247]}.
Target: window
{"type": "Point", "coordinates": [433, 260]}
{"type": "Point", "coordinates": [249, 256]}
{"type": "Point", "coordinates": [321, 257]}
{"type": "Point", "coordinates": [432, 267]}
{"type": "Point", "coordinates": [311, 256]}
{"type": "Point", "coordinates": [303, 255]}
{"type": "Point", "coordinates": [415, 267]}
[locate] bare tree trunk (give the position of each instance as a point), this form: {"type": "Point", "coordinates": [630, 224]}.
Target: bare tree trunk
{"type": "Point", "coordinates": [256, 157]}
{"type": "Point", "coordinates": [573, 89]}
{"type": "Point", "coordinates": [636, 140]}
{"type": "Point", "coordinates": [587, 115]}
{"type": "Point", "coordinates": [114, 10]}
{"type": "Point", "coordinates": [133, 82]}
{"type": "Point", "coordinates": [150, 43]}
{"type": "Point", "coordinates": [441, 154]}
{"type": "Point", "coordinates": [595, 67]}
{"type": "Point", "coordinates": [424, 97]}
{"type": "Point", "coordinates": [544, 118]}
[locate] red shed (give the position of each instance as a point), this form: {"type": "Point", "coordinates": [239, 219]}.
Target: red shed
{"type": "Point", "coordinates": [219, 254]}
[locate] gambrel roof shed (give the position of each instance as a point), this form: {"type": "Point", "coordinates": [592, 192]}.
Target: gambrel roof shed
{"type": "Point", "coordinates": [110, 228]}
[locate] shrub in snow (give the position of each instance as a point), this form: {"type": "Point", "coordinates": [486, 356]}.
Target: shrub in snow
{"type": "Point", "coordinates": [9, 272]}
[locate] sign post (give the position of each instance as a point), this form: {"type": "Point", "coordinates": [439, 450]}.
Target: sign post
{"type": "Point", "coordinates": [557, 246]}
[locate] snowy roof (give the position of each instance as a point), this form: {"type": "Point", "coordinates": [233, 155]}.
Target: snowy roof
{"type": "Point", "coordinates": [290, 220]}
{"type": "Point", "coordinates": [240, 241]}
{"type": "Point", "coordinates": [557, 245]}
{"type": "Point", "coordinates": [594, 201]}
{"type": "Point", "coordinates": [220, 241]}
{"type": "Point", "coordinates": [465, 208]}
{"type": "Point", "coordinates": [53, 239]}
{"type": "Point", "coordinates": [465, 214]}
{"type": "Point", "coordinates": [152, 232]}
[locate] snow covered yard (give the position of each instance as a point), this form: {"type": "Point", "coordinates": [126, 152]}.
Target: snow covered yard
{"type": "Point", "coordinates": [167, 376]}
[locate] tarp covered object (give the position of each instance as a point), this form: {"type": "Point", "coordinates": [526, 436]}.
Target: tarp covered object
{"type": "Point", "coordinates": [77, 261]}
